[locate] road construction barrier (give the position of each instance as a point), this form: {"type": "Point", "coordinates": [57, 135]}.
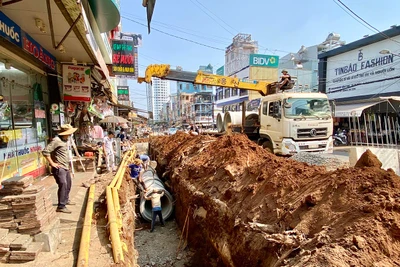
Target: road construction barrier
{"type": "Point", "coordinates": [152, 181]}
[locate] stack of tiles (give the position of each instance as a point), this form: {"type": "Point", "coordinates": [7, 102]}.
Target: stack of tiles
{"type": "Point", "coordinates": [17, 248]}
{"type": "Point", "coordinates": [27, 211]}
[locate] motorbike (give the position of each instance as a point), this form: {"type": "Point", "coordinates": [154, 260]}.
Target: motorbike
{"type": "Point", "coordinates": [340, 139]}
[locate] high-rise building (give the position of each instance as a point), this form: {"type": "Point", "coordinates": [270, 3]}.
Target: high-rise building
{"type": "Point", "coordinates": [158, 93]}
{"type": "Point", "coordinates": [195, 102]}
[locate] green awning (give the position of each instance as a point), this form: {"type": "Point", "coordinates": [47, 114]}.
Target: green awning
{"type": "Point", "coordinates": [106, 13]}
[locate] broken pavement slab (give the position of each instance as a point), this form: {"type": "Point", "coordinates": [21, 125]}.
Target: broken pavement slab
{"type": "Point", "coordinates": [50, 236]}
{"type": "Point", "coordinates": [28, 255]}
{"type": "Point", "coordinates": [21, 242]}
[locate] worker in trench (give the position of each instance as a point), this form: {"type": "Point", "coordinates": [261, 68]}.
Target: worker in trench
{"type": "Point", "coordinates": [136, 173]}
{"type": "Point", "coordinates": [155, 196]}
{"type": "Point", "coordinates": [145, 160]}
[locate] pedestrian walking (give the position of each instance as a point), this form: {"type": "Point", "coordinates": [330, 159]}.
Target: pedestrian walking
{"type": "Point", "coordinates": [108, 149]}
{"type": "Point", "coordinates": [56, 153]}
{"type": "Point", "coordinates": [155, 196]}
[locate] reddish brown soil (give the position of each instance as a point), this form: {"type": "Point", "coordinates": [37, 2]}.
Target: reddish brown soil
{"type": "Point", "coordinates": [247, 207]}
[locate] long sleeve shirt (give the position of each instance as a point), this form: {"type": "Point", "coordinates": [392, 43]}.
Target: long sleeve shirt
{"type": "Point", "coordinates": [58, 151]}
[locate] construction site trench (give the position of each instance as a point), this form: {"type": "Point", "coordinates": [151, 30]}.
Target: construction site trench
{"type": "Point", "coordinates": [238, 205]}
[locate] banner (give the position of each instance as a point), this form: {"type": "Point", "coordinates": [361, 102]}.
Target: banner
{"type": "Point", "coordinates": [76, 83]}
{"type": "Point", "coordinates": [123, 93]}
{"type": "Point", "coordinates": [123, 58]}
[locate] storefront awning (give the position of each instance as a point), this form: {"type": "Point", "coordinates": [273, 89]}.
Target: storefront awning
{"type": "Point", "coordinates": [353, 110]}
{"type": "Point", "coordinates": [106, 14]}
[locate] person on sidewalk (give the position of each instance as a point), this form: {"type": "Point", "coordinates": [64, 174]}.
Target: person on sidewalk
{"type": "Point", "coordinates": [155, 197]}
{"type": "Point", "coordinates": [56, 153]}
{"type": "Point", "coordinates": [108, 149]}
{"type": "Point", "coordinates": [136, 173]}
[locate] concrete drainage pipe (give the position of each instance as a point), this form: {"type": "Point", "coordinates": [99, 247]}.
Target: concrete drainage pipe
{"type": "Point", "coordinates": [151, 180]}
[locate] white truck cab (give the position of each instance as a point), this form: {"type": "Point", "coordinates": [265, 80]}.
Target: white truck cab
{"type": "Point", "coordinates": [296, 122]}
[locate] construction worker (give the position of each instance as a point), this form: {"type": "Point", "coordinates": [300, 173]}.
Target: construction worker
{"type": "Point", "coordinates": [155, 196]}
{"type": "Point", "coordinates": [285, 79]}
{"type": "Point", "coordinates": [136, 173]}
{"type": "Point", "coordinates": [145, 159]}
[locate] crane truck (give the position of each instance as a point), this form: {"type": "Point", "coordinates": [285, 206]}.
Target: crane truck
{"type": "Point", "coordinates": [283, 123]}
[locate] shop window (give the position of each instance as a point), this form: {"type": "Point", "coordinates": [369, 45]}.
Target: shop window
{"type": "Point", "coordinates": [227, 93]}
{"type": "Point", "coordinates": [234, 92]}
{"type": "Point", "coordinates": [23, 123]}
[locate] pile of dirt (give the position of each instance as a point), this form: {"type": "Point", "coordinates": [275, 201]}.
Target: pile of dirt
{"type": "Point", "coordinates": [246, 207]}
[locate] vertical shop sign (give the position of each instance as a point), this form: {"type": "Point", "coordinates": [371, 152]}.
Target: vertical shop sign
{"type": "Point", "coordinates": [123, 93]}
{"type": "Point", "coordinates": [76, 83]}
{"type": "Point", "coordinates": [123, 58]}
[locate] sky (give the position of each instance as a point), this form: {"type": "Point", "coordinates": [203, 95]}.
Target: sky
{"type": "Point", "coordinates": [190, 33]}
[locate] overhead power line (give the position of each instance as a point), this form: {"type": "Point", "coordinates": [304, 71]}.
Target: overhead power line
{"type": "Point", "coordinates": [204, 9]}
{"type": "Point", "coordinates": [175, 36]}
{"type": "Point", "coordinates": [363, 20]}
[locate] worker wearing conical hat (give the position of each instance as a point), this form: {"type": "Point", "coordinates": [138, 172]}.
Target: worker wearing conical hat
{"type": "Point", "coordinates": [57, 154]}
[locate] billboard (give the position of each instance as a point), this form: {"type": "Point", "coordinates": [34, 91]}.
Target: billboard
{"type": "Point", "coordinates": [123, 93]}
{"type": "Point", "coordinates": [124, 56]}
{"type": "Point", "coordinates": [76, 83]}
{"type": "Point", "coordinates": [366, 71]}
{"type": "Point", "coordinates": [258, 60]}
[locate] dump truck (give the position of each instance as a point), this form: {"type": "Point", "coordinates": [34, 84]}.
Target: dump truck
{"type": "Point", "coordinates": [282, 122]}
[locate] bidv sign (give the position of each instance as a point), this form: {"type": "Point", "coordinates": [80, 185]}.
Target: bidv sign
{"type": "Point", "coordinates": [259, 60]}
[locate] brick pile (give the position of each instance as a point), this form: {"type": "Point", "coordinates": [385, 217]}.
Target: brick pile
{"type": "Point", "coordinates": [17, 248]}
{"type": "Point", "coordinates": [25, 207]}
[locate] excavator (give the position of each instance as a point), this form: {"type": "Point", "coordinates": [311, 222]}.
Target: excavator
{"type": "Point", "coordinates": [285, 123]}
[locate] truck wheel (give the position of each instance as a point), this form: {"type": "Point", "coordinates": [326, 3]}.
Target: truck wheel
{"type": "Point", "coordinates": [267, 145]}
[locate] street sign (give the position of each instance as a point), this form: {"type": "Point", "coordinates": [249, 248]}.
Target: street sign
{"type": "Point", "coordinates": [259, 60]}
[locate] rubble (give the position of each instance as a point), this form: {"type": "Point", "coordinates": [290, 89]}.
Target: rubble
{"type": "Point", "coordinates": [263, 210]}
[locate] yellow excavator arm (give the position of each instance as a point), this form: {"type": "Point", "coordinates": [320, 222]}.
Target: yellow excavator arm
{"type": "Point", "coordinates": [163, 71]}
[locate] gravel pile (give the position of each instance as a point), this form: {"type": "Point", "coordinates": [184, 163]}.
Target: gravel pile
{"type": "Point", "coordinates": [327, 160]}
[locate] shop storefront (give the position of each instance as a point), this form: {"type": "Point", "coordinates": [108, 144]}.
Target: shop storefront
{"type": "Point", "coordinates": [23, 100]}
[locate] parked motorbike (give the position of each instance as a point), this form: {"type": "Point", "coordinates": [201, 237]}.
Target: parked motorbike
{"type": "Point", "coordinates": [340, 139]}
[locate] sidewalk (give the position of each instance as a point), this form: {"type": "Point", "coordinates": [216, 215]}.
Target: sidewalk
{"type": "Point", "coordinates": [70, 226]}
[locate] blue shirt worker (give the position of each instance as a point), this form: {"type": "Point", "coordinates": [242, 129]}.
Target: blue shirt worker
{"type": "Point", "coordinates": [145, 159]}
{"type": "Point", "coordinates": [155, 197]}
{"type": "Point", "coordinates": [136, 173]}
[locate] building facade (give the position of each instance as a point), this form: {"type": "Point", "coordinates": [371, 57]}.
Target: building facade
{"type": "Point", "coordinates": [49, 77]}
{"type": "Point", "coordinates": [158, 93]}
{"type": "Point", "coordinates": [243, 62]}
{"type": "Point", "coordinates": [195, 102]}
{"type": "Point", "coordinates": [362, 81]}
{"type": "Point", "coordinates": [303, 65]}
